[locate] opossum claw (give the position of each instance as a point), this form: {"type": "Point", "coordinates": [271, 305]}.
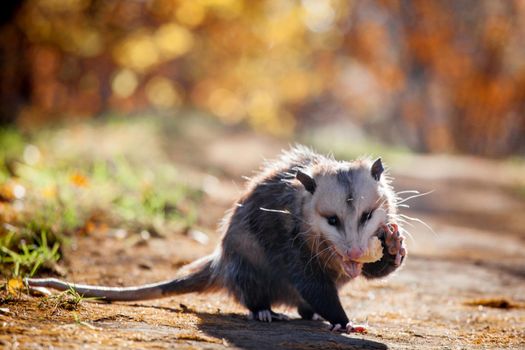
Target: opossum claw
{"type": "Point", "coordinates": [336, 328]}
{"type": "Point", "coordinates": [316, 317]}
{"type": "Point", "coordinates": [356, 328]}
{"type": "Point", "coordinates": [349, 328]}
{"type": "Point", "coordinates": [394, 242]}
{"type": "Point", "coordinates": [267, 316]}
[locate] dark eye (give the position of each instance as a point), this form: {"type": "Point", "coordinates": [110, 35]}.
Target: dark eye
{"type": "Point", "coordinates": [365, 217]}
{"type": "Point", "coordinates": [333, 220]}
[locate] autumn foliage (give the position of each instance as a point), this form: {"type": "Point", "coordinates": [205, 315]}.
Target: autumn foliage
{"type": "Point", "coordinates": [433, 75]}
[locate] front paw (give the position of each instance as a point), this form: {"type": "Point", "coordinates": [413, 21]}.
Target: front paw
{"type": "Point", "coordinates": [349, 328]}
{"type": "Point", "coordinates": [394, 242]}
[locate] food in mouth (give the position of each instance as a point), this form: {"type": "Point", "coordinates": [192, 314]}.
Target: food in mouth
{"type": "Point", "coordinates": [373, 253]}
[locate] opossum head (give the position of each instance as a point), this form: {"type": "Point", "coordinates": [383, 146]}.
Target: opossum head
{"type": "Point", "coordinates": [346, 206]}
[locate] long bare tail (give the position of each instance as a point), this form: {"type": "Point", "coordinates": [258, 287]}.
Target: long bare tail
{"type": "Point", "coordinates": [200, 279]}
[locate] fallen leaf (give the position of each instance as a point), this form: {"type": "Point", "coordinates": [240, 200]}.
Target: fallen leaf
{"type": "Point", "coordinates": [14, 286]}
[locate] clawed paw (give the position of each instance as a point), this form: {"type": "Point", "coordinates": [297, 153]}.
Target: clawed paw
{"type": "Point", "coordinates": [267, 316]}
{"type": "Point", "coordinates": [349, 328]}
{"type": "Point", "coordinates": [394, 241]}
{"type": "Point", "coordinates": [317, 317]}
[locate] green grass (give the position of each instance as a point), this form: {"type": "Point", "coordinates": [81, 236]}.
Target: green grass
{"type": "Point", "coordinates": [79, 177]}
{"type": "Point", "coordinates": [67, 300]}
{"type": "Point", "coordinates": [26, 259]}
{"type": "Point", "coordinates": [11, 145]}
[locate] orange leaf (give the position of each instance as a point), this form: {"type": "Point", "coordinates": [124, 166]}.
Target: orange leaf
{"type": "Point", "coordinates": [14, 286]}
{"type": "Point", "coordinates": [79, 180]}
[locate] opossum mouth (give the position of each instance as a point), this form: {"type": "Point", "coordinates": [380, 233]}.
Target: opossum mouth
{"type": "Point", "coordinates": [352, 268]}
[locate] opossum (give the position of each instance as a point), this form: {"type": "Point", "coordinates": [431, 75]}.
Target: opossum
{"type": "Point", "coordinates": [293, 238]}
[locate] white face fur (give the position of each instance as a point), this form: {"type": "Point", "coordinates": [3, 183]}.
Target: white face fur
{"type": "Point", "coordinates": [348, 205]}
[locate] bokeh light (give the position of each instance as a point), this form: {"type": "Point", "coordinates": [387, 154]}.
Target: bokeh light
{"type": "Point", "coordinates": [433, 76]}
{"type": "Point", "coordinates": [124, 83]}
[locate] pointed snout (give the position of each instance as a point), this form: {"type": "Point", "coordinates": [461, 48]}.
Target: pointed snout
{"type": "Point", "coordinates": [354, 253]}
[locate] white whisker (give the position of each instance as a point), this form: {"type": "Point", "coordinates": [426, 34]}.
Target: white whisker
{"type": "Point", "coordinates": [420, 221]}
{"type": "Point", "coordinates": [408, 191]}
{"type": "Point", "coordinates": [318, 253]}
{"type": "Point", "coordinates": [396, 217]}
{"type": "Point", "coordinates": [414, 196]}
{"type": "Point", "coordinates": [328, 259]}
{"type": "Point", "coordinates": [408, 234]}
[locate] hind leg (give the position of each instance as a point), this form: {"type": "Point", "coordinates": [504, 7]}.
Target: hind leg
{"type": "Point", "coordinates": [254, 289]}
{"type": "Point", "coordinates": [267, 316]}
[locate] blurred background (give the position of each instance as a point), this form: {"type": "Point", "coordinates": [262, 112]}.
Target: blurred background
{"type": "Point", "coordinates": [127, 126]}
{"type": "Point", "coordinates": [432, 76]}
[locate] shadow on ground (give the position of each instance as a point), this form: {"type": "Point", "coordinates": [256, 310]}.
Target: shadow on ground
{"type": "Point", "coordinates": [293, 334]}
{"type": "Point", "coordinates": [236, 330]}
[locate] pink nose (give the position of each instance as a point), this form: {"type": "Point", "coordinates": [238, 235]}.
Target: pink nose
{"type": "Point", "coordinates": [354, 253]}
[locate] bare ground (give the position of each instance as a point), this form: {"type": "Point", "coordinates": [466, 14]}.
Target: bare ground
{"type": "Point", "coordinates": [473, 258]}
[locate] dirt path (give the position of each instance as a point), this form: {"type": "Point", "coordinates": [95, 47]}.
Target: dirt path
{"type": "Point", "coordinates": [434, 302]}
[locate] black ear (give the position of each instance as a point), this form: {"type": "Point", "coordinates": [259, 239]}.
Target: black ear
{"type": "Point", "coordinates": [377, 169]}
{"type": "Point", "coordinates": [307, 181]}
